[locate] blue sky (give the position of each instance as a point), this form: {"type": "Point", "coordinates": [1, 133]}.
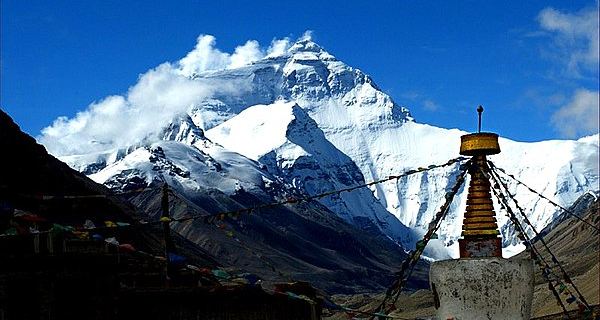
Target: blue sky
{"type": "Point", "coordinates": [531, 64]}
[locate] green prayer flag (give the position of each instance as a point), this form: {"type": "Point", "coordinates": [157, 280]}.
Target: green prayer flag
{"type": "Point", "coordinates": [57, 229]}
{"type": "Point", "coordinates": [220, 274]}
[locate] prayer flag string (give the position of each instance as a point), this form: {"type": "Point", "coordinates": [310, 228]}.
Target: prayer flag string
{"type": "Point", "coordinates": [502, 186]}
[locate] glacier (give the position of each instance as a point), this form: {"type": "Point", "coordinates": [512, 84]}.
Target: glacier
{"type": "Point", "coordinates": [304, 120]}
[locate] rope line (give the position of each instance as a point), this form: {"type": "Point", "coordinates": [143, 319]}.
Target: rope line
{"type": "Point", "coordinates": [372, 314]}
{"type": "Point", "coordinates": [501, 183]}
{"type": "Point", "coordinates": [306, 199]}
{"type": "Point", "coordinates": [535, 254]}
{"type": "Point", "coordinates": [411, 260]}
{"type": "Point", "coordinates": [500, 189]}
{"type": "Point", "coordinates": [262, 258]}
{"type": "Point", "coordinates": [571, 213]}
{"type": "Point", "coordinates": [80, 196]}
{"type": "Point", "coordinates": [210, 217]}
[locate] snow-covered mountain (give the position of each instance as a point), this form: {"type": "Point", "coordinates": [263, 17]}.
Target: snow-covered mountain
{"type": "Point", "coordinates": [290, 144]}
{"type": "Point", "coordinates": [303, 120]}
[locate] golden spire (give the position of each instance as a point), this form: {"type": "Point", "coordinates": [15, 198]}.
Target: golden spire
{"type": "Point", "coordinates": [480, 230]}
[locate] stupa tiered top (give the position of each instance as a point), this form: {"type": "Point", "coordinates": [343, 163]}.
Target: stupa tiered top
{"type": "Point", "coordinates": [480, 229]}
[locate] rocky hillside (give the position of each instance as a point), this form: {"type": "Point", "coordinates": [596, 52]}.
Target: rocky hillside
{"type": "Point", "coordinates": [577, 247]}
{"type": "Point", "coordinates": [30, 176]}
{"type": "Point", "coordinates": [297, 242]}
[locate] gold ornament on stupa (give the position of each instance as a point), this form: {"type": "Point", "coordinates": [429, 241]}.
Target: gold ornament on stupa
{"type": "Point", "coordinates": [480, 229]}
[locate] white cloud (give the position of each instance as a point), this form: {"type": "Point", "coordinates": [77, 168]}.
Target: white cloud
{"type": "Point", "coordinates": [308, 35]}
{"type": "Point", "coordinates": [117, 121]}
{"type": "Point", "coordinates": [246, 54]}
{"type": "Point", "coordinates": [411, 95]}
{"type": "Point", "coordinates": [576, 36]}
{"type": "Point", "coordinates": [430, 105]}
{"type": "Point", "coordinates": [579, 116]}
{"type": "Point", "coordinates": [576, 43]}
{"type": "Point", "coordinates": [206, 57]}
{"type": "Point", "coordinates": [159, 95]}
{"type": "Point", "coordinates": [278, 47]}
{"type": "Point", "coordinates": [425, 102]}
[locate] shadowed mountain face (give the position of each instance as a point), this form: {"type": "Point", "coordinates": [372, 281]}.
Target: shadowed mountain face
{"type": "Point", "coordinates": [28, 173]}
{"type": "Point", "coordinates": [301, 242]}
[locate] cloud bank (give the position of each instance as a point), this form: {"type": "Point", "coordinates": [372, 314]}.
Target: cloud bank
{"type": "Point", "coordinates": [576, 37]}
{"type": "Point", "coordinates": [579, 116]}
{"type": "Point", "coordinates": [159, 95]}
{"type": "Point", "coordinates": [206, 57]}
{"type": "Point", "coordinates": [430, 105]}
{"type": "Point", "coordinates": [576, 40]}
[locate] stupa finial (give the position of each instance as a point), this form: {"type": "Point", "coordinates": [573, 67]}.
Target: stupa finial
{"type": "Point", "coordinates": [479, 111]}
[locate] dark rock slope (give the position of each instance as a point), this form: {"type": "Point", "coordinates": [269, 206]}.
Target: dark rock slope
{"type": "Point", "coordinates": [28, 173]}
{"type": "Point", "coordinates": [301, 242]}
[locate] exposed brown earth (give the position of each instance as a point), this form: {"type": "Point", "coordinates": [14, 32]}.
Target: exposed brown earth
{"type": "Point", "coordinates": [576, 246]}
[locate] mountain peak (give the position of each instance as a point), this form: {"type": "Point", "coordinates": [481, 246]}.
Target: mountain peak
{"type": "Point", "coordinates": [306, 47]}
